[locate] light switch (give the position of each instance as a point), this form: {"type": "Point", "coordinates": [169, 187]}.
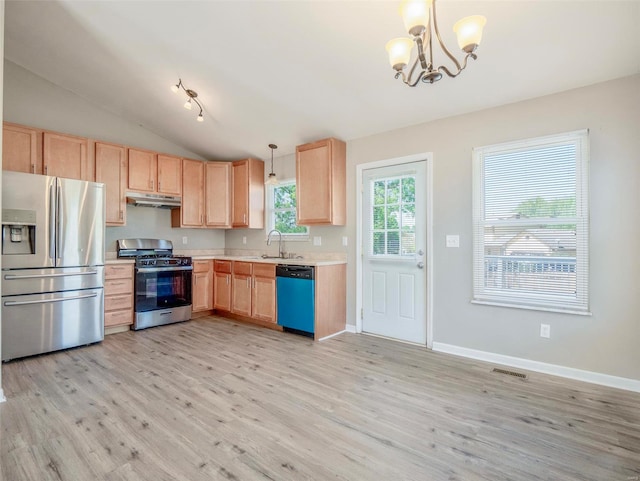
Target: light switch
{"type": "Point", "coordinates": [345, 241]}
{"type": "Point", "coordinates": [317, 240]}
{"type": "Point", "coordinates": [185, 240]}
{"type": "Point", "coordinates": [453, 240]}
{"type": "Point", "coordinates": [244, 239]}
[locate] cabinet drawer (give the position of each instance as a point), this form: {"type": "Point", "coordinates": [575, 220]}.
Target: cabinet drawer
{"type": "Point", "coordinates": [118, 286]}
{"type": "Point", "coordinates": [118, 272]}
{"type": "Point", "coordinates": [117, 318]}
{"type": "Point", "coordinates": [201, 266]}
{"type": "Point", "coordinates": [113, 303]}
{"type": "Point", "coordinates": [264, 270]}
{"type": "Point", "coordinates": [222, 266]}
{"type": "Point", "coordinates": [242, 268]}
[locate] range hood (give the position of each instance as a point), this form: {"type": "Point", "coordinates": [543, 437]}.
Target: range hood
{"type": "Point", "coordinates": [153, 200]}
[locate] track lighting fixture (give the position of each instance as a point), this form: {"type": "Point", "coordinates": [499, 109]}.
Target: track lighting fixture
{"type": "Point", "coordinates": [191, 97]}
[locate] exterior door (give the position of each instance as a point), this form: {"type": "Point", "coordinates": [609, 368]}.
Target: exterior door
{"type": "Point", "coordinates": [394, 243]}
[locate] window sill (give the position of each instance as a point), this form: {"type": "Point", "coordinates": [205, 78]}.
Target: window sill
{"type": "Point", "coordinates": [533, 308]}
{"type": "Point", "coordinates": [290, 238]}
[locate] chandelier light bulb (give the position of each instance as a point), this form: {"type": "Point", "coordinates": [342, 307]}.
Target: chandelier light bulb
{"type": "Point", "coordinates": [399, 50]}
{"type": "Point", "coordinates": [187, 104]}
{"type": "Point", "coordinates": [415, 14]}
{"type": "Point", "coordinates": [469, 32]}
{"type": "Point", "coordinates": [200, 118]}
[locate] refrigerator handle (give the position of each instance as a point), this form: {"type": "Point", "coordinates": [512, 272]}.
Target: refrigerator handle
{"type": "Point", "coordinates": [59, 220]}
{"type": "Point", "coordinates": [52, 224]}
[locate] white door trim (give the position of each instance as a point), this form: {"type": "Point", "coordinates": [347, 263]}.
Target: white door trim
{"type": "Point", "coordinates": [428, 157]}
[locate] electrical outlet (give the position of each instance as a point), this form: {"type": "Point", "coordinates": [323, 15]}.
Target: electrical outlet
{"type": "Point", "coordinates": [453, 240]}
{"type": "Point", "coordinates": [317, 240]}
{"type": "Point", "coordinates": [185, 240]}
{"type": "Point", "coordinates": [244, 239]}
{"type": "Point", "coordinates": [545, 330]}
{"type": "Point", "coordinates": [345, 241]}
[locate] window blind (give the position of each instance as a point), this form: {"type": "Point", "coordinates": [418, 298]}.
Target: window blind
{"type": "Point", "coordinates": [531, 223]}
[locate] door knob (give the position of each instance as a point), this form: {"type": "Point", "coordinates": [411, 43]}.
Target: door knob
{"type": "Point", "coordinates": [420, 265]}
{"type": "Point", "coordinates": [420, 252]}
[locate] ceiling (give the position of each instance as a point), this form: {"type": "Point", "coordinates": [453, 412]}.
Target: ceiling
{"type": "Point", "coordinates": [290, 72]}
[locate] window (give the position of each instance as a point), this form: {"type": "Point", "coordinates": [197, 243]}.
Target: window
{"type": "Point", "coordinates": [531, 223]}
{"type": "Point", "coordinates": [393, 216]}
{"type": "Point", "coordinates": [281, 211]}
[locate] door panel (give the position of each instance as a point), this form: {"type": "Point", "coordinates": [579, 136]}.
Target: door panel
{"type": "Point", "coordinates": [394, 241]}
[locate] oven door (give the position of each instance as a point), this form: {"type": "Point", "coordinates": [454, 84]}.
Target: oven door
{"type": "Point", "coordinates": [162, 288]}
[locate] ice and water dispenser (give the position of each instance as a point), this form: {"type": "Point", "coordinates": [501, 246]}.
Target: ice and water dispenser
{"type": "Point", "coordinates": [18, 231]}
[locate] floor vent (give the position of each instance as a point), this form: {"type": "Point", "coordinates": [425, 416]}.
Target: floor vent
{"type": "Point", "coordinates": [510, 373]}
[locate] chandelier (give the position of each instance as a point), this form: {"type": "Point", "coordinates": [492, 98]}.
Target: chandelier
{"type": "Point", "coordinates": [272, 179]}
{"type": "Point", "coordinates": [191, 97]}
{"type": "Point", "coordinates": [421, 23]}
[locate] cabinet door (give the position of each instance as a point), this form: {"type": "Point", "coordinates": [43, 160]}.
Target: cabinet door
{"type": "Point", "coordinates": [21, 149]}
{"type": "Point", "coordinates": [241, 297]}
{"type": "Point", "coordinates": [66, 156]}
{"type": "Point", "coordinates": [169, 175]}
{"type": "Point", "coordinates": [218, 194]}
{"type": "Point", "coordinates": [202, 285]}
{"type": "Point", "coordinates": [321, 183]}
{"type": "Point", "coordinates": [142, 170]}
{"type": "Point", "coordinates": [240, 194]}
{"type": "Point", "coordinates": [193, 193]}
{"type": "Point", "coordinates": [111, 169]}
{"type": "Point", "coordinates": [263, 296]}
{"type": "Point", "coordinates": [222, 291]}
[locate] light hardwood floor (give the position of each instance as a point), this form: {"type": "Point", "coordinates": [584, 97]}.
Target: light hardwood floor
{"type": "Point", "coordinates": [213, 399]}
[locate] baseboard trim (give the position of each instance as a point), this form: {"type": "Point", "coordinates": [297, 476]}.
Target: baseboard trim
{"type": "Point", "coordinates": [331, 335]}
{"type": "Point", "coordinates": [350, 328]}
{"type": "Point", "coordinates": [553, 369]}
{"type": "Point", "coordinates": [2, 398]}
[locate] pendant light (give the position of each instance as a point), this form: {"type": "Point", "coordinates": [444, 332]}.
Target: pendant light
{"type": "Point", "coordinates": [272, 179]}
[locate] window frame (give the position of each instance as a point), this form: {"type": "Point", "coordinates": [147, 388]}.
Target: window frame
{"type": "Point", "coordinates": [543, 302]}
{"type": "Point", "coordinates": [270, 213]}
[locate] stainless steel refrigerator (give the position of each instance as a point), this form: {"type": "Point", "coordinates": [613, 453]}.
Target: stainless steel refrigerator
{"type": "Point", "coordinates": [52, 263]}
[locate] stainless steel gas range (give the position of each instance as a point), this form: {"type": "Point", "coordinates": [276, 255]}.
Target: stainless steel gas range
{"type": "Point", "coordinates": [162, 282]}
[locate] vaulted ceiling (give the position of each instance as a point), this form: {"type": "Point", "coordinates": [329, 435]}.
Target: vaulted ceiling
{"type": "Point", "coordinates": [290, 72]}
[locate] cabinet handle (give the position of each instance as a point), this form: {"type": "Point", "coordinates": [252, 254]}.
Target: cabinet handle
{"type": "Point", "coordinates": [227, 277]}
{"type": "Point", "coordinates": [201, 219]}
{"type": "Point", "coordinates": [158, 185]}
{"type": "Point", "coordinates": [151, 184]}
{"type": "Point", "coordinates": [46, 169]}
{"type": "Point", "coordinates": [244, 218]}
{"type": "Point", "coordinates": [33, 168]}
{"type": "Point", "coordinates": [120, 215]}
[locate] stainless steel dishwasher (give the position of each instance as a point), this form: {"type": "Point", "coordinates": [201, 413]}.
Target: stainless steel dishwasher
{"type": "Point", "coordinates": [295, 292]}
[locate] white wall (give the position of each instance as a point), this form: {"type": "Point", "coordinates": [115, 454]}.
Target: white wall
{"type": "Point", "coordinates": [34, 101]}
{"type": "Point", "coordinates": [606, 342]}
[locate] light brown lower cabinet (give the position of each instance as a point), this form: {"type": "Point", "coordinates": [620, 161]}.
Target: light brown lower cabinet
{"type": "Point", "coordinates": [241, 289]}
{"type": "Point", "coordinates": [263, 295]}
{"type": "Point", "coordinates": [222, 285]}
{"type": "Point", "coordinates": [202, 285]}
{"type": "Point", "coordinates": [118, 295]}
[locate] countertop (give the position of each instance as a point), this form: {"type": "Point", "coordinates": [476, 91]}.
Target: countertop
{"type": "Point", "coordinates": [118, 261]}
{"type": "Point", "coordinates": [273, 260]}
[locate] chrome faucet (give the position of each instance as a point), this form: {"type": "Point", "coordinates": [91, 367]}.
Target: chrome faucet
{"type": "Point", "coordinates": [280, 252]}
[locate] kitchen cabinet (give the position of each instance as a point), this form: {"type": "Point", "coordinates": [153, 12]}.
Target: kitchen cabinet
{"type": "Point", "coordinates": [241, 289]}
{"type": "Point", "coordinates": [263, 297]}
{"type": "Point", "coordinates": [217, 197]}
{"type": "Point", "coordinates": [248, 194]}
{"type": "Point", "coordinates": [21, 149]}
{"type": "Point", "coordinates": [321, 183]}
{"type": "Point", "coordinates": [118, 296]}
{"type": "Point", "coordinates": [66, 156]}
{"type": "Point", "coordinates": [202, 286]}
{"type": "Point", "coordinates": [330, 300]}
{"type": "Point", "coordinates": [143, 165]}
{"type": "Point", "coordinates": [111, 169]}
{"type": "Point", "coordinates": [222, 285]}
{"type": "Point", "coordinates": [190, 214]}
{"type": "Point", "coordinates": [169, 175]}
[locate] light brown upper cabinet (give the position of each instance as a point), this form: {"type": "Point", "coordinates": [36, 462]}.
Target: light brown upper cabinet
{"type": "Point", "coordinates": [248, 194]}
{"type": "Point", "coordinates": [66, 156]}
{"type": "Point", "coordinates": [143, 170]}
{"type": "Point", "coordinates": [169, 175]}
{"type": "Point", "coordinates": [217, 194]}
{"type": "Point", "coordinates": [111, 168]}
{"type": "Point", "coordinates": [321, 183]}
{"type": "Point", "coordinates": [21, 149]}
{"type": "Point", "coordinates": [191, 213]}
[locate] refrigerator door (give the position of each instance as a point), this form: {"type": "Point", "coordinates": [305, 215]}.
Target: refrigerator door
{"type": "Point", "coordinates": [38, 323]}
{"type": "Point", "coordinates": [34, 193]}
{"type": "Point", "coordinates": [81, 223]}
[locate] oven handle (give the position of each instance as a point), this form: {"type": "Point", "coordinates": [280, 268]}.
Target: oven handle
{"type": "Point", "coordinates": [144, 270]}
